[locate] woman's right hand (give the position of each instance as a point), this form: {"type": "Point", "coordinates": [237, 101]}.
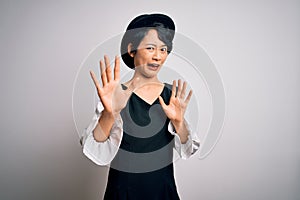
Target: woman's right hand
{"type": "Point", "coordinates": [111, 94]}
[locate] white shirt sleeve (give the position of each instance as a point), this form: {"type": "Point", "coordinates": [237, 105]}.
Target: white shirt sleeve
{"type": "Point", "coordinates": [102, 153]}
{"type": "Point", "coordinates": [190, 147]}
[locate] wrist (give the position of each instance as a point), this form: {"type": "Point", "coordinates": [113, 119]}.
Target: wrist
{"type": "Point", "coordinates": [182, 131]}
{"type": "Point", "coordinates": [178, 124]}
{"type": "Point", "coordinates": [107, 114]}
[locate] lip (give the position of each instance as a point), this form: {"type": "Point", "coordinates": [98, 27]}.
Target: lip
{"type": "Point", "coordinates": [153, 66]}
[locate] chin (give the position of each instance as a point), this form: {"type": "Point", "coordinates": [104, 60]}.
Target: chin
{"type": "Point", "coordinates": [150, 75]}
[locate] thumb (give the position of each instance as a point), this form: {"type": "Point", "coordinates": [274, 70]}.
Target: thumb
{"type": "Point", "coordinates": [135, 83]}
{"type": "Point", "coordinates": [162, 103]}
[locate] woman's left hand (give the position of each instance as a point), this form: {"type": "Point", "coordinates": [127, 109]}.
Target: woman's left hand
{"type": "Point", "coordinates": [178, 103]}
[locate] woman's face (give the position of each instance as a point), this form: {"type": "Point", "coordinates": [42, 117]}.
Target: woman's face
{"type": "Point", "coordinates": [150, 55]}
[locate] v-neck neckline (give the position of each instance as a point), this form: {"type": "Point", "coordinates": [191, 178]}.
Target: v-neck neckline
{"type": "Point", "coordinates": [149, 104]}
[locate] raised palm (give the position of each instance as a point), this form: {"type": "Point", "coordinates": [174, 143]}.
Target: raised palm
{"type": "Point", "coordinates": [111, 94]}
{"type": "Point", "coordinates": [178, 103]}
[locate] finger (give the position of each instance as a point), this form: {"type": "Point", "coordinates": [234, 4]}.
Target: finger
{"type": "Point", "coordinates": [174, 89]}
{"type": "Point", "coordinates": [188, 98]}
{"type": "Point", "coordinates": [162, 102]}
{"type": "Point", "coordinates": [135, 83]}
{"type": "Point", "coordinates": [106, 60]}
{"type": "Point", "coordinates": [108, 74]}
{"type": "Point", "coordinates": [103, 74]}
{"type": "Point", "coordinates": [182, 95]}
{"type": "Point", "coordinates": [179, 88]}
{"type": "Point", "coordinates": [117, 69]}
{"type": "Point", "coordinates": [108, 69]}
{"type": "Point", "coordinates": [96, 83]}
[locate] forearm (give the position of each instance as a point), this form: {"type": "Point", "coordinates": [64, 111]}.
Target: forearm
{"type": "Point", "coordinates": [103, 128]}
{"type": "Point", "coordinates": [181, 130]}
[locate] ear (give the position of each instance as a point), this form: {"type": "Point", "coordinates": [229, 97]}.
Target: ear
{"type": "Point", "coordinates": [130, 50]}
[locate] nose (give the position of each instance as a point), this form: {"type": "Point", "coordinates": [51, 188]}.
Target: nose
{"type": "Point", "coordinates": [156, 55]}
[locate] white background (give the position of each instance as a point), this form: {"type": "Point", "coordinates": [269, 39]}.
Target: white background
{"type": "Point", "coordinates": [254, 44]}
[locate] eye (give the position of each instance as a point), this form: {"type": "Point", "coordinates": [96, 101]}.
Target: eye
{"type": "Point", "coordinates": [150, 48]}
{"type": "Point", "coordinates": [164, 49]}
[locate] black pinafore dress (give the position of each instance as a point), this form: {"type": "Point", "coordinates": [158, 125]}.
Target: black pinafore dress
{"type": "Point", "coordinates": [143, 167]}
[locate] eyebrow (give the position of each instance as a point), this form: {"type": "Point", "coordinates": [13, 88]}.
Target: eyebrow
{"type": "Point", "coordinates": [164, 45]}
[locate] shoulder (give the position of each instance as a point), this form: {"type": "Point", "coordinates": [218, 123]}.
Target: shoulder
{"type": "Point", "coordinates": [167, 91]}
{"type": "Point", "coordinates": [124, 87]}
{"type": "Point", "coordinates": [168, 86]}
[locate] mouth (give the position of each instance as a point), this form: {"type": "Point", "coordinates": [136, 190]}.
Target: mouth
{"type": "Point", "coordinates": [153, 66]}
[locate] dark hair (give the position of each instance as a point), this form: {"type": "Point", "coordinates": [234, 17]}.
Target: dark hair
{"type": "Point", "coordinates": [139, 28]}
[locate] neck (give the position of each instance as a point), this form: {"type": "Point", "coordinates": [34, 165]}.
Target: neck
{"type": "Point", "coordinates": [143, 79]}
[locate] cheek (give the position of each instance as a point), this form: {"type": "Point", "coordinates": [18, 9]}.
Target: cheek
{"type": "Point", "coordinates": [142, 57]}
{"type": "Point", "coordinates": [164, 57]}
{"type": "Point", "coordinates": [139, 60]}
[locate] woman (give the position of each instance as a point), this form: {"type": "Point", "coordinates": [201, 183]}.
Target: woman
{"type": "Point", "coordinates": [138, 123]}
